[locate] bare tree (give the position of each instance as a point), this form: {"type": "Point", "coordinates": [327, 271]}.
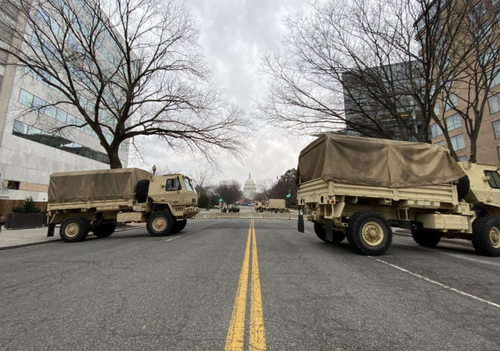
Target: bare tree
{"type": "Point", "coordinates": [286, 187]}
{"type": "Point", "coordinates": [129, 68]}
{"type": "Point", "coordinates": [201, 180]}
{"type": "Point", "coordinates": [380, 67]}
{"type": "Point", "coordinates": [229, 191]}
{"type": "Point", "coordinates": [264, 188]}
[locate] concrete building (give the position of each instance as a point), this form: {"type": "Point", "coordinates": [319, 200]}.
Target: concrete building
{"type": "Point", "coordinates": [30, 150]}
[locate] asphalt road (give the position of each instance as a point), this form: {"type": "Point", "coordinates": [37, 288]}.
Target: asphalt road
{"type": "Point", "coordinates": [186, 292]}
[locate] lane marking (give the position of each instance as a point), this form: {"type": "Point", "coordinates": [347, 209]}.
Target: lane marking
{"type": "Point", "coordinates": [236, 332]}
{"type": "Point", "coordinates": [437, 283]}
{"type": "Point", "coordinates": [257, 331]}
{"type": "Point", "coordinates": [175, 237]}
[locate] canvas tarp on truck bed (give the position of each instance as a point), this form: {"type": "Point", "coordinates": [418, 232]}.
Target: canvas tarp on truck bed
{"type": "Point", "coordinates": [100, 185]}
{"type": "Point", "coordinates": [376, 162]}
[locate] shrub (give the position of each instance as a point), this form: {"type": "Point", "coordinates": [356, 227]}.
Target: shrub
{"type": "Point", "coordinates": [28, 207]}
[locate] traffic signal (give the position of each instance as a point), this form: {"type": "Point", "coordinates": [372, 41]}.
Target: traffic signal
{"type": "Point", "coordinates": [287, 195]}
{"type": "Point", "coordinates": [220, 200]}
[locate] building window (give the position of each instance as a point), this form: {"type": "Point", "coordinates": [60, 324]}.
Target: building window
{"type": "Point", "coordinates": [40, 136]}
{"type": "Point", "coordinates": [453, 122]}
{"type": "Point", "coordinates": [482, 33]}
{"type": "Point", "coordinates": [494, 103]}
{"type": "Point", "coordinates": [13, 185]}
{"type": "Point", "coordinates": [436, 130]}
{"type": "Point", "coordinates": [478, 11]}
{"type": "Point", "coordinates": [494, 76]}
{"type": "Point", "coordinates": [463, 158]}
{"type": "Point", "coordinates": [496, 128]}
{"type": "Point", "coordinates": [458, 142]}
{"type": "Point", "coordinates": [450, 102]}
{"type": "Point", "coordinates": [26, 98]}
{"type": "Point", "coordinates": [441, 142]}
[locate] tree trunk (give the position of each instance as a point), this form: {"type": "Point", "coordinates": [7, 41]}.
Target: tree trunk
{"type": "Point", "coordinates": [114, 160]}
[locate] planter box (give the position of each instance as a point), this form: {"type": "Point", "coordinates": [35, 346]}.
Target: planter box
{"type": "Point", "coordinates": [25, 220]}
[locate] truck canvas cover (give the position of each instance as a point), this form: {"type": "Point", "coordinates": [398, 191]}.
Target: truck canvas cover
{"type": "Point", "coordinates": [376, 162]}
{"type": "Point", "coordinates": [100, 185]}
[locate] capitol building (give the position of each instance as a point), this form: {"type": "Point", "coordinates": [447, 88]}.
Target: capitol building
{"type": "Point", "coordinates": [249, 189]}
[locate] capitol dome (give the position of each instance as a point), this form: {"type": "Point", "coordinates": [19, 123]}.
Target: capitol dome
{"type": "Point", "coordinates": [249, 189]}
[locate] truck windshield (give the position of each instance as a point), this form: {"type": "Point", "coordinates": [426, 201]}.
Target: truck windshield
{"type": "Point", "coordinates": [188, 185]}
{"type": "Point", "coordinates": [494, 180]}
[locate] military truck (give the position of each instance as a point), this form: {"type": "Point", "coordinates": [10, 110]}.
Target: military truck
{"type": "Point", "coordinates": [259, 207]}
{"type": "Point", "coordinates": [359, 187]}
{"type": "Point", "coordinates": [277, 205]}
{"type": "Point", "coordinates": [97, 200]}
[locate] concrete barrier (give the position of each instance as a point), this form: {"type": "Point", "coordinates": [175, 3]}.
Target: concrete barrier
{"type": "Point", "coordinates": [228, 215]}
{"type": "Point", "coordinates": [246, 215]}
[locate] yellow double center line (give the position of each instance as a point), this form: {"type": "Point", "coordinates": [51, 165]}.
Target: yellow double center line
{"type": "Point", "coordinates": [236, 332]}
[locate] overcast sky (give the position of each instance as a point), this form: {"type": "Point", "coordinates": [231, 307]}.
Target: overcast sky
{"type": "Point", "coordinates": [235, 34]}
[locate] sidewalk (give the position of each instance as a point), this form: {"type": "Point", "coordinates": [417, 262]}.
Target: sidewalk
{"type": "Point", "coordinates": [11, 238]}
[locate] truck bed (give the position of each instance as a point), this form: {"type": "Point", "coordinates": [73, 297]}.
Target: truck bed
{"type": "Point", "coordinates": [110, 188]}
{"type": "Point", "coordinates": [431, 195]}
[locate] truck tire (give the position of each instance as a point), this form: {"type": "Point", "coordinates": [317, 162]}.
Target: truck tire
{"type": "Point", "coordinates": [142, 190]}
{"type": "Point", "coordinates": [320, 231]}
{"type": "Point", "coordinates": [369, 233]}
{"type": "Point", "coordinates": [179, 225]}
{"type": "Point", "coordinates": [74, 229]}
{"type": "Point", "coordinates": [486, 236]}
{"type": "Point", "coordinates": [463, 187]}
{"type": "Point", "coordinates": [104, 230]}
{"type": "Point", "coordinates": [426, 238]}
{"type": "Point", "coordinates": [160, 223]}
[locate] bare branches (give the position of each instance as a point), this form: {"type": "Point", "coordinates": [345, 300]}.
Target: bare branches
{"type": "Point", "coordinates": [380, 68]}
{"type": "Point", "coordinates": [130, 68]}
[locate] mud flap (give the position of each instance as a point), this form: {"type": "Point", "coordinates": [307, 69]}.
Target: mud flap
{"type": "Point", "coordinates": [300, 225]}
{"type": "Point", "coordinates": [50, 230]}
{"type": "Point", "coordinates": [329, 229]}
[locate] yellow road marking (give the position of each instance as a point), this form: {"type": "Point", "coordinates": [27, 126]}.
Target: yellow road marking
{"type": "Point", "coordinates": [236, 332]}
{"type": "Point", "coordinates": [257, 332]}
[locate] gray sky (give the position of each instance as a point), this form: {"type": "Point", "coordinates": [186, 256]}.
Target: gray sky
{"type": "Point", "coordinates": [235, 34]}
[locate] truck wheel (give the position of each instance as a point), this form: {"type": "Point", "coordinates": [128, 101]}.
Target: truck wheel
{"type": "Point", "coordinates": [142, 190]}
{"type": "Point", "coordinates": [369, 233]}
{"type": "Point", "coordinates": [74, 229]}
{"type": "Point", "coordinates": [320, 231]}
{"type": "Point", "coordinates": [486, 236]}
{"type": "Point", "coordinates": [425, 238]}
{"type": "Point", "coordinates": [178, 226]}
{"type": "Point", "coordinates": [104, 230]}
{"type": "Point", "coordinates": [160, 223]}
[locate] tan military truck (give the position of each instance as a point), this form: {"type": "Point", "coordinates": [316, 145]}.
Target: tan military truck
{"type": "Point", "coordinates": [259, 207]}
{"type": "Point", "coordinates": [277, 205]}
{"type": "Point", "coordinates": [97, 200]}
{"type": "Point", "coordinates": [359, 187]}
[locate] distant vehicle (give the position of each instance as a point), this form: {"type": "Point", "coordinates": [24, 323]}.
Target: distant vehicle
{"type": "Point", "coordinates": [259, 207]}
{"type": "Point", "coordinates": [359, 187]}
{"type": "Point", "coordinates": [277, 205]}
{"type": "Point", "coordinates": [97, 200]}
